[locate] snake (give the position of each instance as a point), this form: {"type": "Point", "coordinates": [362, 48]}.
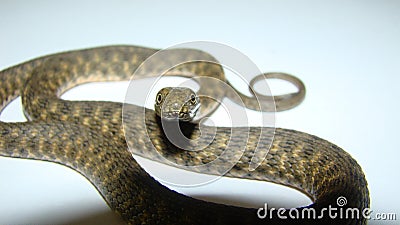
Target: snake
{"type": "Point", "coordinates": [90, 138]}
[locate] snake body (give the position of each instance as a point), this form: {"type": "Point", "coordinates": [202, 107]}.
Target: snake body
{"type": "Point", "coordinates": [88, 137]}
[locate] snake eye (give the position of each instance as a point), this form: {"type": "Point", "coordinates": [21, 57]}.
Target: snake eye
{"type": "Point", "coordinates": [159, 99]}
{"type": "Point", "coordinates": [193, 99]}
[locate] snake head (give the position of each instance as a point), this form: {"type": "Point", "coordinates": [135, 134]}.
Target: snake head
{"type": "Point", "coordinates": [177, 103]}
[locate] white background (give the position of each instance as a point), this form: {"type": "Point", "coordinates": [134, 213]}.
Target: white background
{"type": "Point", "coordinates": [347, 54]}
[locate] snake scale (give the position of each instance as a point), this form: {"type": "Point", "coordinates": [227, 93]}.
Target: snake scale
{"type": "Point", "coordinates": [89, 138]}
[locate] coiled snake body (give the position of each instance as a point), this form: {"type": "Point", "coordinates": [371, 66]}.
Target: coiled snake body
{"type": "Point", "coordinates": [88, 137]}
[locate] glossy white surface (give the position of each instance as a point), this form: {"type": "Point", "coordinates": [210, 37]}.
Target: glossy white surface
{"type": "Point", "coordinates": [347, 54]}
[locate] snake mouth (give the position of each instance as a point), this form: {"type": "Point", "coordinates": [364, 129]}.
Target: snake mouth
{"type": "Point", "coordinates": [181, 115]}
{"type": "Point", "coordinates": [176, 116]}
